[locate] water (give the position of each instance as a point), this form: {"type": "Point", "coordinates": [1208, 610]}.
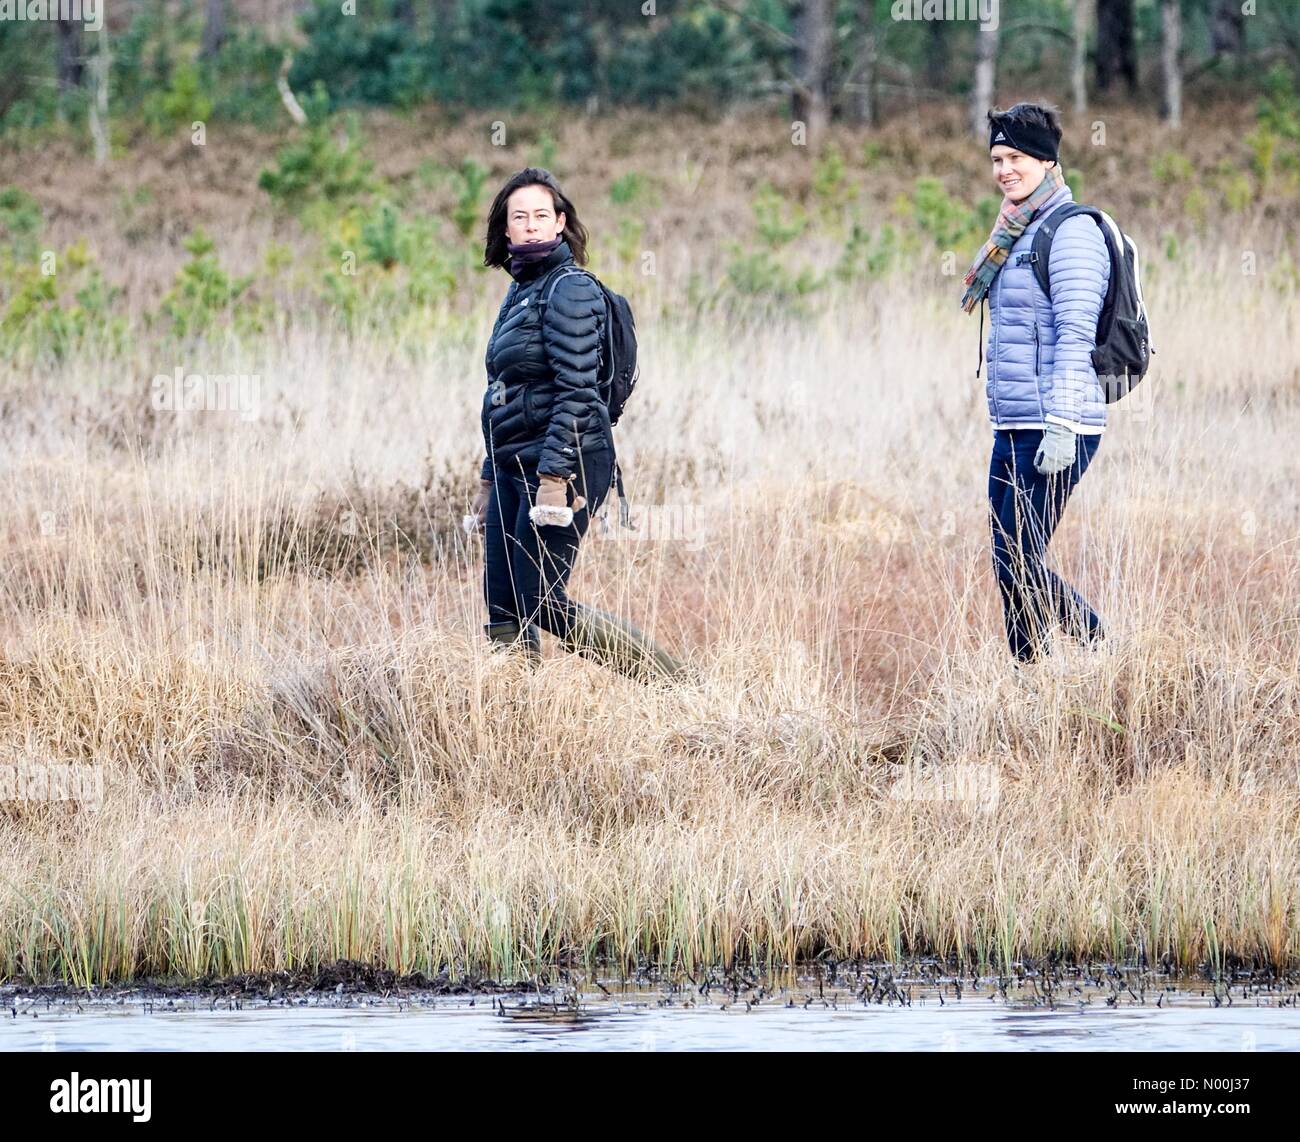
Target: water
{"type": "Point", "coordinates": [646, 1020]}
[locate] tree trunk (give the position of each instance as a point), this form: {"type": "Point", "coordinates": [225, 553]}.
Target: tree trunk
{"type": "Point", "coordinates": [813, 32]}
{"type": "Point", "coordinates": [1228, 29]}
{"type": "Point", "coordinates": [70, 61]}
{"type": "Point", "coordinates": [100, 68]}
{"type": "Point", "coordinates": [1116, 55]}
{"type": "Point", "coordinates": [861, 98]}
{"type": "Point", "coordinates": [1079, 56]}
{"type": "Point", "coordinates": [214, 28]}
{"type": "Point", "coordinates": [986, 68]}
{"type": "Point", "coordinates": [936, 54]}
{"type": "Point", "coordinates": [1171, 34]}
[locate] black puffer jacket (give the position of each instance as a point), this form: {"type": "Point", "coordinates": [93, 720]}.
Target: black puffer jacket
{"type": "Point", "coordinates": [543, 404]}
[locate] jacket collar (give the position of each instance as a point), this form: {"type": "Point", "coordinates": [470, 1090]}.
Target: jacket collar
{"type": "Point", "coordinates": [554, 259]}
{"type": "Point", "coordinates": [1061, 195]}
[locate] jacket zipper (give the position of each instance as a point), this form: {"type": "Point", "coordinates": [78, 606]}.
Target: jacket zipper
{"type": "Point", "coordinates": [1038, 382]}
{"type": "Point", "coordinates": [993, 356]}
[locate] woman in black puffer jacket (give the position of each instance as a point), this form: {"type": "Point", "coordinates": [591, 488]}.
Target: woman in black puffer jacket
{"type": "Point", "coordinates": [549, 451]}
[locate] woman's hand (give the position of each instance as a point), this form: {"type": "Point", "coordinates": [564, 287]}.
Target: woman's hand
{"type": "Point", "coordinates": [551, 504]}
{"type": "Point", "coordinates": [1057, 451]}
{"type": "Point", "coordinates": [475, 522]}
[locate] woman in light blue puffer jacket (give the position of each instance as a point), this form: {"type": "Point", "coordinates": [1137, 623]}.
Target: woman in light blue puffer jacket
{"type": "Point", "coordinates": [1045, 401]}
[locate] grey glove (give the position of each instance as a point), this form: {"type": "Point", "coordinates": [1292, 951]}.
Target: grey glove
{"type": "Point", "coordinates": [1057, 451]}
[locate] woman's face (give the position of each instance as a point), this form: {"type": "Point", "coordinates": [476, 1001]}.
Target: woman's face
{"type": "Point", "coordinates": [531, 216]}
{"type": "Point", "coordinates": [1017, 174]}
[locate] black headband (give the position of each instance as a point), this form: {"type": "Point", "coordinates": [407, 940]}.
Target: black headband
{"type": "Point", "coordinates": [1027, 137]}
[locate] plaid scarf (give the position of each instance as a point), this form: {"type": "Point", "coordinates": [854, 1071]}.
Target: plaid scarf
{"type": "Point", "coordinates": [1011, 223]}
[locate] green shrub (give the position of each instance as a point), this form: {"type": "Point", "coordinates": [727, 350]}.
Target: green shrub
{"type": "Point", "coordinates": [762, 274]}
{"type": "Point", "coordinates": [432, 266]}
{"type": "Point", "coordinates": [203, 294]}
{"type": "Point", "coordinates": [701, 59]}
{"type": "Point", "coordinates": [1235, 186]}
{"type": "Point", "coordinates": [47, 315]}
{"type": "Point", "coordinates": [1196, 207]}
{"type": "Point", "coordinates": [545, 153]}
{"type": "Point", "coordinates": [466, 214]}
{"type": "Point", "coordinates": [777, 221]}
{"type": "Point", "coordinates": [629, 189]}
{"type": "Point", "coordinates": [629, 239]}
{"type": "Point", "coordinates": [1279, 107]}
{"type": "Point", "coordinates": [243, 79]}
{"type": "Point", "coordinates": [1263, 150]}
{"type": "Point", "coordinates": [380, 237]}
{"type": "Point", "coordinates": [29, 98]}
{"type": "Point", "coordinates": [20, 223]}
{"type": "Point", "coordinates": [831, 185]}
{"type": "Point", "coordinates": [1077, 182]}
{"type": "Point", "coordinates": [1170, 168]}
{"type": "Point", "coordinates": [180, 103]}
{"type": "Point", "coordinates": [365, 56]}
{"type": "Point", "coordinates": [385, 268]}
{"type": "Point", "coordinates": [950, 223]}
{"type": "Point", "coordinates": [1285, 274]}
{"type": "Point", "coordinates": [867, 255]}
{"type": "Point", "coordinates": [1275, 141]}
{"type": "Point", "coordinates": [317, 166]}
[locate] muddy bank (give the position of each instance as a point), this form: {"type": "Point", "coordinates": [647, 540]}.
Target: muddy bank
{"type": "Point", "coordinates": [304, 985]}
{"type": "Point", "coordinates": [1047, 984]}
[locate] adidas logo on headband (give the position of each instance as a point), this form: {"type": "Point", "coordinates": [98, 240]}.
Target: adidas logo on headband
{"type": "Point", "coordinates": [1033, 139]}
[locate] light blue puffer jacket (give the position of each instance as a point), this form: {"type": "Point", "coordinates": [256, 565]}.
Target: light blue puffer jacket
{"type": "Point", "coordinates": [1039, 348]}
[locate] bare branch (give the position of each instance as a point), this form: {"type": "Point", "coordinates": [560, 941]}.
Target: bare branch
{"type": "Point", "coordinates": [783, 38]}
{"type": "Point", "coordinates": [1014, 27]}
{"type": "Point", "coordinates": [291, 104]}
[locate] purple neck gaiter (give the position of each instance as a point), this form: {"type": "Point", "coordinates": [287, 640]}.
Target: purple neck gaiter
{"type": "Point", "coordinates": [526, 253]}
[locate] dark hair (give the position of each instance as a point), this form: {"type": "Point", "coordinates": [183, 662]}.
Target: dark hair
{"type": "Point", "coordinates": [1041, 115]}
{"type": "Point", "coordinates": [495, 252]}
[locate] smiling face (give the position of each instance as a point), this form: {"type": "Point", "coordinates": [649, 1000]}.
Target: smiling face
{"type": "Point", "coordinates": [1017, 174]}
{"type": "Point", "coordinates": [531, 216]}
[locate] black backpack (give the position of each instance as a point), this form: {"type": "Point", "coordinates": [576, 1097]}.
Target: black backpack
{"type": "Point", "coordinates": [618, 369]}
{"type": "Point", "coordinates": [619, 374]}
{"type": "Point", "coordinates": [1124, 349]}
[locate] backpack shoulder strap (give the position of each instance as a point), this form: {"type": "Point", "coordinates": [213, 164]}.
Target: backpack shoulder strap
{"type": "Point", "coordinates": [563, 272]}
{"type": "Point", "coordinates": [1042, 244]}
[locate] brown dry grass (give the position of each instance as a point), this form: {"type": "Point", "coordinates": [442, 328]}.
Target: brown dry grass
{"type": "Point", "coordinates": [266, 632]}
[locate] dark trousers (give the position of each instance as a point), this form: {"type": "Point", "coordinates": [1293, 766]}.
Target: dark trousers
{"type": "Point", "coordinates": [525, 567]}
{"type": "Point", "coordinates": [1025, 508]}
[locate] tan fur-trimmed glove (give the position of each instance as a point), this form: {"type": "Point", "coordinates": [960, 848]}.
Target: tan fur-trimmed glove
{"type": "Point", "coordinates": [551, 504]}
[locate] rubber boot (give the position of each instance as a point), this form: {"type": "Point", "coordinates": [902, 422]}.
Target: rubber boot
{"type": "Point", "coordinates": [508, 634]}
{"type": "Point", "coordinates": [615, 642]}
